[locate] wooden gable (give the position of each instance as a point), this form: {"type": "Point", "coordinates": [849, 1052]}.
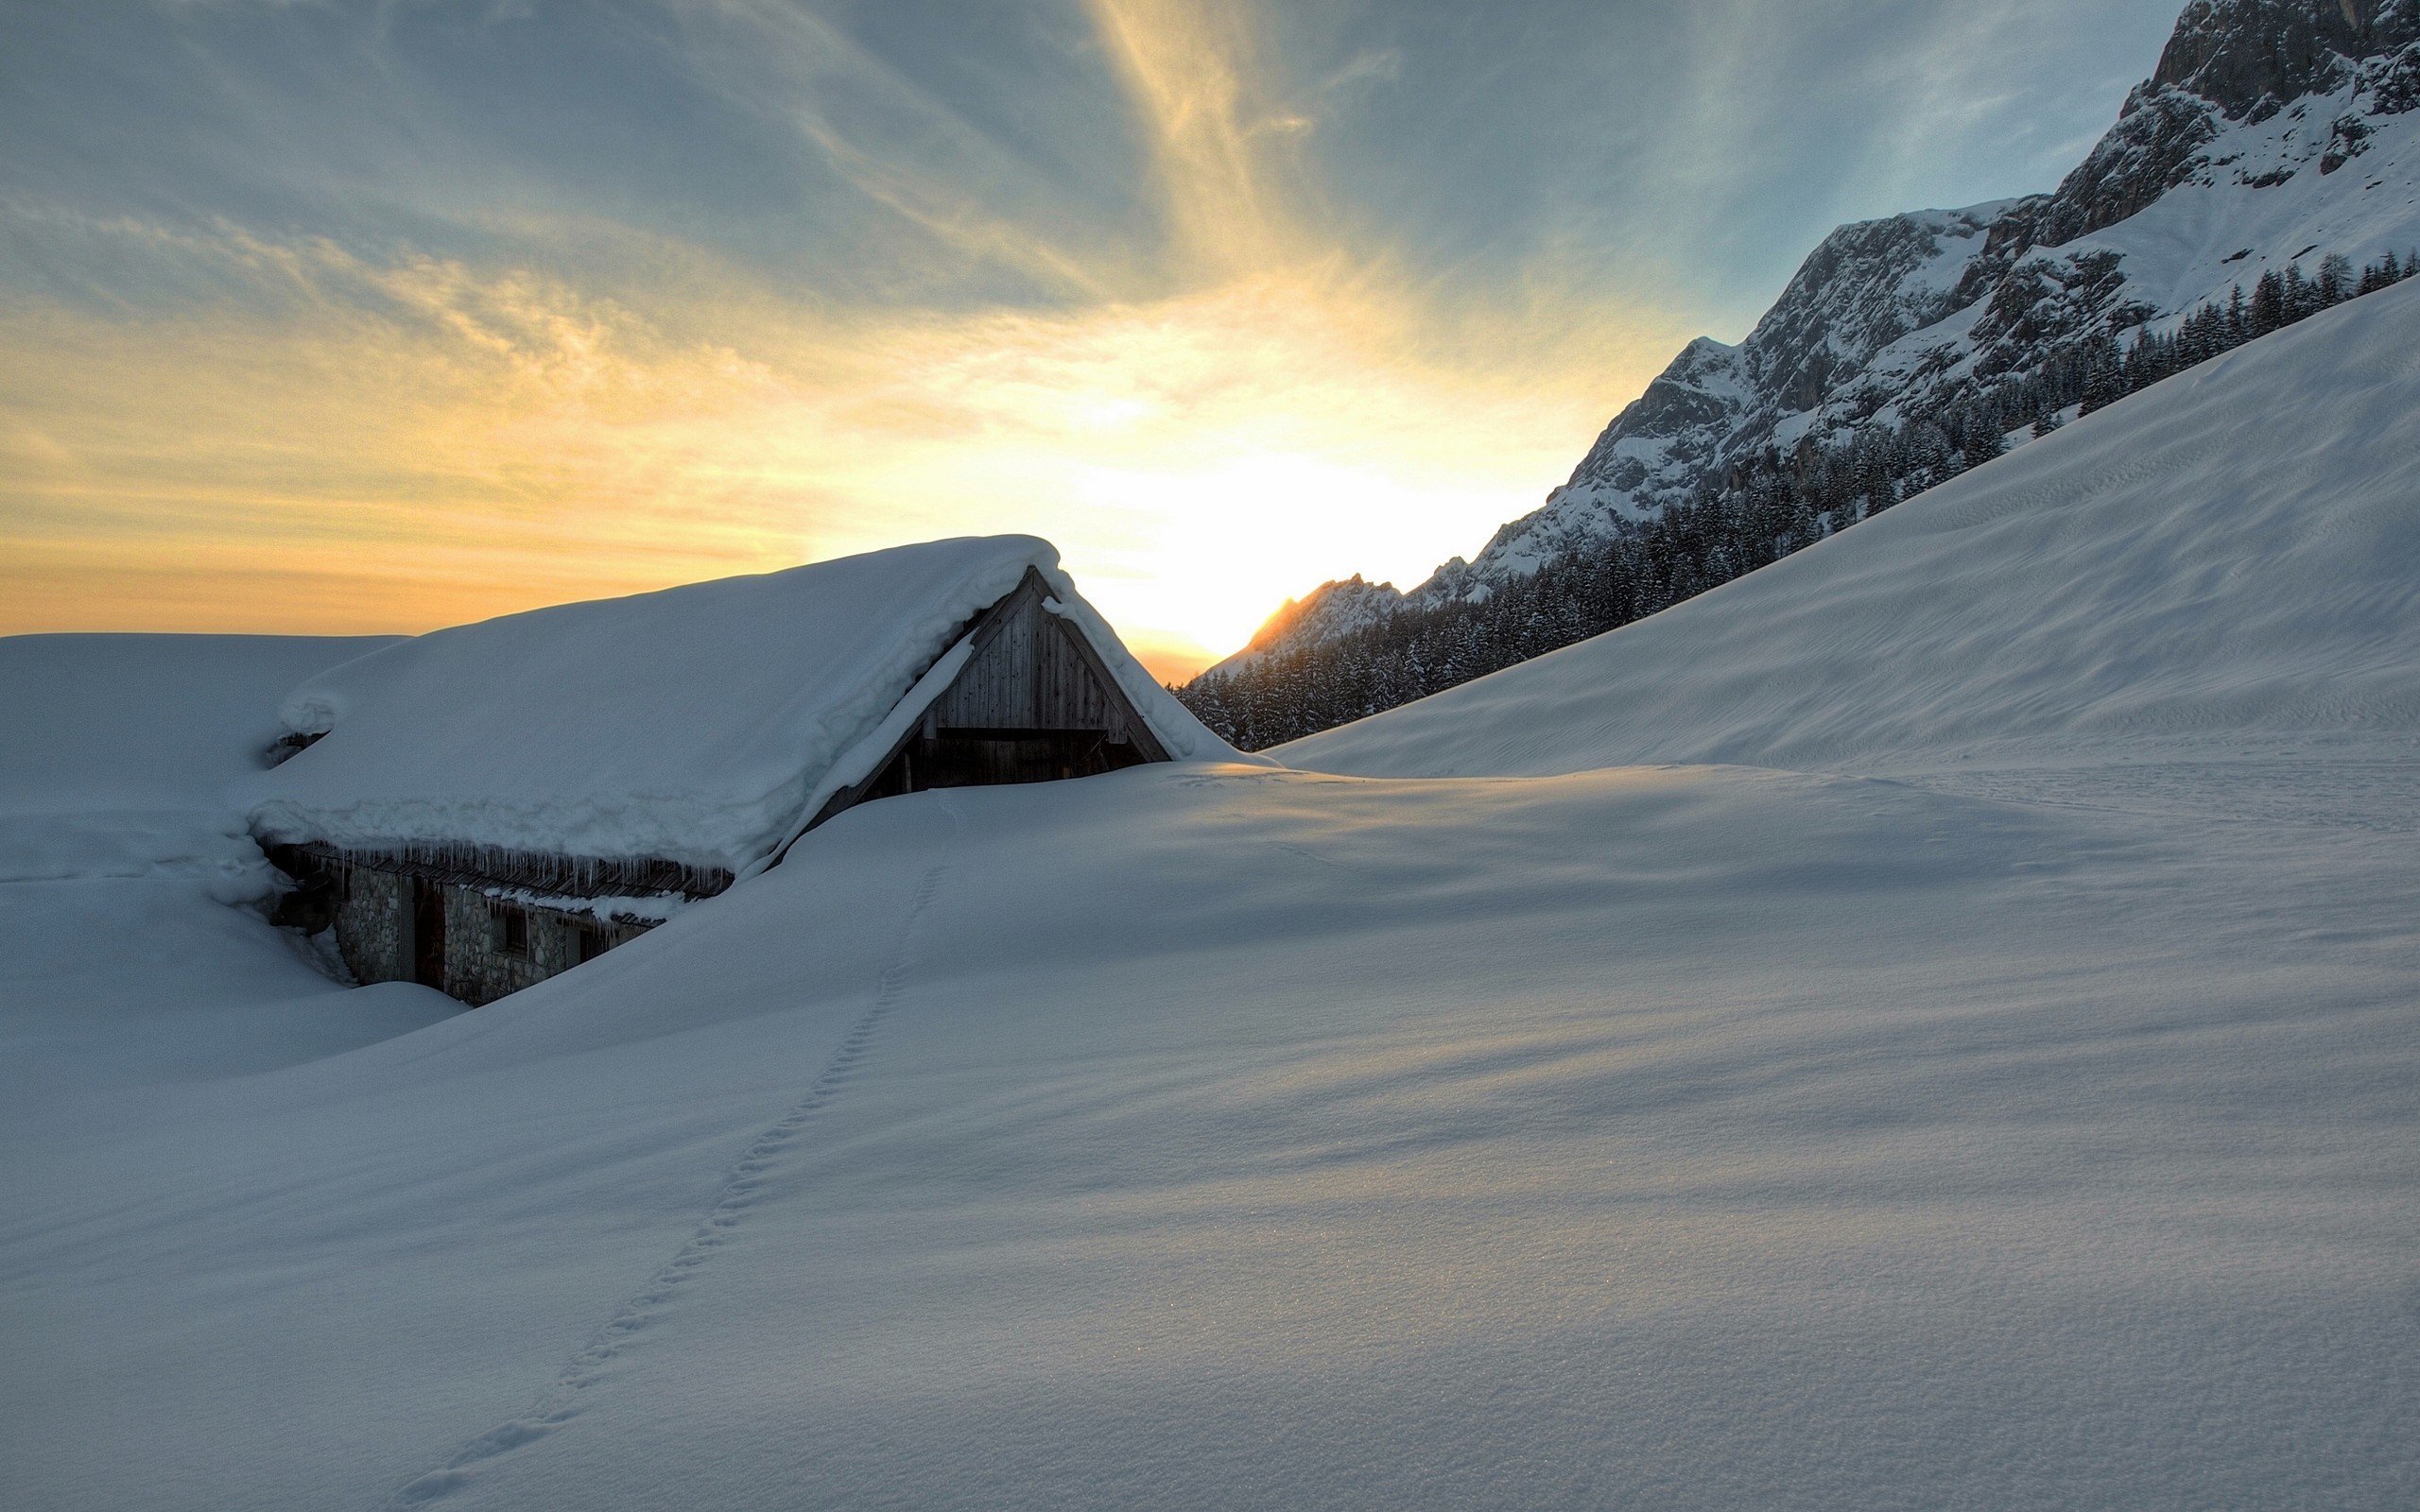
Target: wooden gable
{"type": "Point", "coordinates": [1034, 702]}
{"type": "Point", "coordinates": [1033, 670]}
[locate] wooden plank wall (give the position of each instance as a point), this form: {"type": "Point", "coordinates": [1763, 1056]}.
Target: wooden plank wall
{"type": "Point", "coordinates": [1028, 675]}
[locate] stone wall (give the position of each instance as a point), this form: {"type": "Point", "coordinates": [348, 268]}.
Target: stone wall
{"type": "Point", "coordinates": [373, 923]}
{"type": "Point", "coordinates": [483, 960]}
{"type": "Point", "coordinates": [493, 946]}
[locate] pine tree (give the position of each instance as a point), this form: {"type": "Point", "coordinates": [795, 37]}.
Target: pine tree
{"type": "Point", "coordinates": [2103, 381]}
{"type": "Point", "coordinates": [2335, 279]}
{"type": "Point", "coordinates": [2267, 304]}
{"type": "Point", "coordinates": [2296, 298]}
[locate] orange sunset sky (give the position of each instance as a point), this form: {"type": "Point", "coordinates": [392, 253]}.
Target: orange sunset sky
{"type": "Point", "coordinates": [338, 319]}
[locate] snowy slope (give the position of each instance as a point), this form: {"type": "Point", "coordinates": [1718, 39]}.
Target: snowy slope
{"type": "Point", "coordinates": [86, 713]}
{"type": "Point", "coordinates": [1222, 1138]}
{"type": "Point", "coordinates": [2273, 133]}
{"type": "Point", "coordinates": [703, 724]}
{"type": "Point", "coordinates": [2228, 558]}
{"type": "Point", "coordinates": [119, 855]}
{"type": "Point", "coordinates": [90, 785]}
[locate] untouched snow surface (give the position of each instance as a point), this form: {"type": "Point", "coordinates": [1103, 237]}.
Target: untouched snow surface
{"type": "Point", "coordinates": [119, 852]}
{"type": "Point", "coordinates": [2035, 1127]}
{"type": "Point", "coordinates": [117, 750]}
{"type": "Point", "coordinates": [2227, 563]}
{"type": "Point", "coordinates": [703, 724]}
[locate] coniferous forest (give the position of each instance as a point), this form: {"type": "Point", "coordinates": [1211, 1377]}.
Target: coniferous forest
{"type": "Point", "coordinates": [1761, 511]}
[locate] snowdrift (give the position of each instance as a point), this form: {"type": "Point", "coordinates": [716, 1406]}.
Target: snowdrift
{"type": "Point", "coordinates": [2227, 560]}
{"type": "Point", "coordinates": [103, 722]}
{"type": "Point", "coordinates": [116, 751]}
{"type": "Point", "coordinates": [703, 724]}
{"type": "Point", "coordinates": [1204, 1137]}
{"type": "Point", "coordinates": [120, 855]}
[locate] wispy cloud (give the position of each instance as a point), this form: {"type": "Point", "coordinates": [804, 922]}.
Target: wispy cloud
{"type": "Point", "coordinates": [417, 439]}
{"type": "Point", "coordinates": [384, 320]}
{"type": "Point", "coordinates": [1219, 145]}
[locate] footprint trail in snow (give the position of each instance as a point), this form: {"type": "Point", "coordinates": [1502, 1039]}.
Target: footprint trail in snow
{"type": "Point", "coordinates": [564, 1398]}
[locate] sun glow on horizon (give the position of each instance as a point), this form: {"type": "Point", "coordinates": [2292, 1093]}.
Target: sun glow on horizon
{"type": "Point", "coordinates": [1222, 525]}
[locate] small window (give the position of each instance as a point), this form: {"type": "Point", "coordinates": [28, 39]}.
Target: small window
{"type": "Point", "coordinates": [509, 928]}
{"type": "Point", "coordinates": [594, 941]}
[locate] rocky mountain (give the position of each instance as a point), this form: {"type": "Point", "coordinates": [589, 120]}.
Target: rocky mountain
{"type": "Point", "coordinates": [2272, 134]}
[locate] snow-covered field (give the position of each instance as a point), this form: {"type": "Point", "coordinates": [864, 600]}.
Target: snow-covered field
{"type": "Point", "coordinates": [1979, 1066]}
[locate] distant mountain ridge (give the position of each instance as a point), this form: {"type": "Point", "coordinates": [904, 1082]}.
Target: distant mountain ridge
{"type": "Point", "coordinates": [2229, 162]}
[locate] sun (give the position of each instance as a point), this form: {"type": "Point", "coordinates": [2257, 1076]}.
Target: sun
{"type": "Point", "coordinates": [1227, 545]}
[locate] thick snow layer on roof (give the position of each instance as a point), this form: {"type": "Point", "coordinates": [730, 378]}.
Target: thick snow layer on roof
{"type": "Point", "coordinates": [703, 724]}
{"type": "Point", "coordinates": [2228, 558]}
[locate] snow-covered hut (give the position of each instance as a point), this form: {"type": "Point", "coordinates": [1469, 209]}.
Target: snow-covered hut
{"type": "Point", "coordinates": [480, 808]}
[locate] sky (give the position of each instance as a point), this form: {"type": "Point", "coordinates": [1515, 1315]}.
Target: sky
{"type": "Point", "coordinates": [334, 318]}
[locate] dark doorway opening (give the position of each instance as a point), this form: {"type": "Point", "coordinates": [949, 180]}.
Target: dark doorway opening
{"type": "Point", "coordinates": [428, 933]}
{"type": "Point", "coordinates": [977, 757]}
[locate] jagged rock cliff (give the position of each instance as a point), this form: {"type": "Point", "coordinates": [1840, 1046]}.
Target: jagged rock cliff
{"type": "Point", "coordinates": [2229, 160]}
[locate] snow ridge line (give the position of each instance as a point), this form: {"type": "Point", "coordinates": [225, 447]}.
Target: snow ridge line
{"type": "Point", "coordinates": [561, 1401]}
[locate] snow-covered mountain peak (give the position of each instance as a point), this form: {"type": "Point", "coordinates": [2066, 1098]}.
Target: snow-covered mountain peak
{"type": "Point", "coordinates": [2250, 58]}
{"type": "Point", "coordinates": [1328, 610]}
{"type": "Point", "coordinates": [1886, 317]}
{"type": "Point", "coordinates": [2229, 162]}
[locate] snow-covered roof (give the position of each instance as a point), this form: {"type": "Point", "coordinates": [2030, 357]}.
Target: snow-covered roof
{"type": "Point", "coordinates": [703, 724]}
